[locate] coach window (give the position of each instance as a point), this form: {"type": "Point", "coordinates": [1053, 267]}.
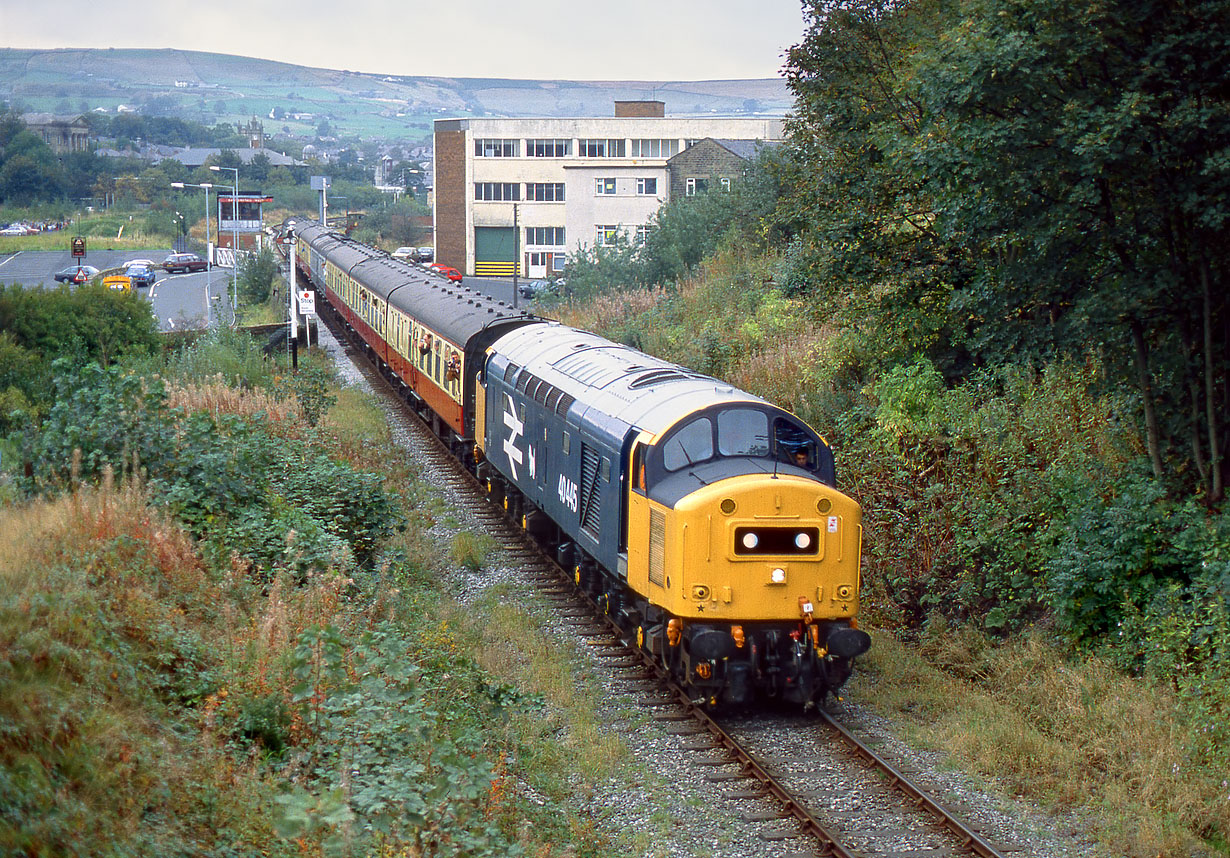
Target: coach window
{"type": "Point", "coordinates": [689, 445]}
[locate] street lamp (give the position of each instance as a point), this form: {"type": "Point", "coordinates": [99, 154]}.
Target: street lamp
{"type": "Point", "coordinates": [234, 230]}
{"type": "Point", "coordinates": [209, 281]}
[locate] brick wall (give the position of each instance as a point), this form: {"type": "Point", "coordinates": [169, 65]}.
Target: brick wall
{"type": "Point", "coordinates": [450, 191]}
{"type": "Point", "coordinates": [705, 160]}
{"type": "Point", "coordinates": [651, 109]}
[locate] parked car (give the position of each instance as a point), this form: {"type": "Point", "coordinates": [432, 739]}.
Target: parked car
{"type": "Point", "coordinates": [140, 275]}
{"type": "Point", "coordinates": [424, 254]}
{"type": "Point", "coordinates": [446, 271]}
{"type": "Point", "coordinates": [183, 262]}
{"type": "Point", "coordinates": [531, 288]}
{"type": "Point", "coordinates": [76, 274]}
{"type": "Point", "coordinates": [18, 229]}
{"type": "Point", "coordinates": [406, 254]}
{"type": "Point", "coordinates": [148, 262]}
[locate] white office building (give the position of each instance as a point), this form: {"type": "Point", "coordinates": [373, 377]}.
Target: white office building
{"type": "Point", "coordinates": [529, 192]}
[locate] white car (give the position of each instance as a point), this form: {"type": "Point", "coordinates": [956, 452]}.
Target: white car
{"type": "Point", "coordinates": [403, 253]}
{"type": "Point", "coordinates": [147, 262]}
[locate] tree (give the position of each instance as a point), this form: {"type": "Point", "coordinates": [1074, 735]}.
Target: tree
{"type": "Point", "coordinates": [1080, 151]}
{"type": "Point", "coordinates": [997, 181]}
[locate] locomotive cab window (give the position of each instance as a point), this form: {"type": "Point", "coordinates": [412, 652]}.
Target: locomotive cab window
{"type": "Point", "coordinates": [689, 445]}
{"type": "Point", "coordinates": [743, 432]}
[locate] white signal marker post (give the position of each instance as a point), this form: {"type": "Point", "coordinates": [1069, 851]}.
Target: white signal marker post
{"type": "Point", "coordinates": [293, 306]}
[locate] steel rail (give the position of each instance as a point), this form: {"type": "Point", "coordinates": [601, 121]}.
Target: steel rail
{"type": "Point", "coordinates": [968, 837]}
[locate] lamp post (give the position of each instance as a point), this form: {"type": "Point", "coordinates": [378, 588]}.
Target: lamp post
{"type": "Point", "coordinates": [234, 230]}
{"type": "Point", "coordinates": [209, 282]}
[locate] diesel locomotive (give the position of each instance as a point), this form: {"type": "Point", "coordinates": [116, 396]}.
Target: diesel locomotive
{"type": "Point", "coordinates": [705, 520]}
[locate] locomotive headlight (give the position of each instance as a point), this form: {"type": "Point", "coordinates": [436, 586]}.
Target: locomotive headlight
{"type": "Point", "coordinates": [750, 540]}
{"type": "Point", "coordinates": [778, 576]}
{"type": "Point", "coordinates": [802, 541]}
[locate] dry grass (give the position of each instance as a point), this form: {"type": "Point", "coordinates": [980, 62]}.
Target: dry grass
{"type": "Point", "coordinates": [513, 645]}
{"type": "Point", "coordinates": [216, 397]}
{"type": "Point", "coordinates": [1066, 734]}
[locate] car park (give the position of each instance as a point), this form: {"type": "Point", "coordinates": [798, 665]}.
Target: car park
{"type": "Point", "coordinates": [183, 262]}
{"type": "Point", "coordinates": [140, 275]}
{"type": "Point", "coordinates": [445, 271]}
{"type": "Point", "coordinates": [76, 274]}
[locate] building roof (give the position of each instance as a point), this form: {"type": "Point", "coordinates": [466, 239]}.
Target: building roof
{"type": "Point", "coordinates": [747, 149]}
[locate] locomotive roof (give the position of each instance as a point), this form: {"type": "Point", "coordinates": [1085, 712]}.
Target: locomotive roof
{"type": "Point", "coordinates": [628, 386]}
{"type": "Point", "coordinates": [455, 311]}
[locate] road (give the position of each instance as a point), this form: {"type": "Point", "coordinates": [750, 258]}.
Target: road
{"type": "Point", "coordinates": [178, 299]}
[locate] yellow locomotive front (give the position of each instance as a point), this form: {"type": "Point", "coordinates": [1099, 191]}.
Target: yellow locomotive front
{"type": "Point", "coordinates": [745, 556]}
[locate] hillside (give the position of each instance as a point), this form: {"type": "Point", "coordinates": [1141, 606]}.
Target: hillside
{"type": "Point", "coordinates": [212, 88]}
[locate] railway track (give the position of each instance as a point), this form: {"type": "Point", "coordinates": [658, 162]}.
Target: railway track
{"type": "Point", "coordinates": [821, 792]}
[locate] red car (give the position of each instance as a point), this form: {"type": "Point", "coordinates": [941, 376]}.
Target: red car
{"type": "Point", "coordinates": [183, 262]}
{"type": "Point", "coordinates": [445, 271]}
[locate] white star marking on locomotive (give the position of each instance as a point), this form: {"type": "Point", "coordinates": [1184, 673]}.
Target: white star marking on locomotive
{"type": "Point", "coordinates": [511, 450]}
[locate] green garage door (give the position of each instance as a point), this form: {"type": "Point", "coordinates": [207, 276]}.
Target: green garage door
{"type": "Point", "coordinates": [494, 251]}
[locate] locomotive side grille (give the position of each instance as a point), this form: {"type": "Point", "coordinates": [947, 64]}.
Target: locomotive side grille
{"type": "Point", "coordinates": [524, 381]}
{"type": "Point", "coordinates": [591, 505]}
{"type": "Point", "coordinates": [552, 398]}
{"type": "Point", "coordinates": [540, 393]}
{"type": "Point", "coordinates": [565, 402]}
{"type": "Point", "coordinates": [657, 547]}
{"type": "Point", "coordinates": [509, 371]}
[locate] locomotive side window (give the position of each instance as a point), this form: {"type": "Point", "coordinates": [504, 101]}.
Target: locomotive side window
{"type": "Point", "coordinates": [691, 444]}
{"type": "Point", "coordinates": [743, 432]}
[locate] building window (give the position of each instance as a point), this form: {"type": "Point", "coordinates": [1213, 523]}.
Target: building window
{"type": "Point", "coordinates": [551, 236]}
{"type": "Point", "coordinates": [642, 233]}
{"type": "Point", "coordinates": [647, 187]}
{"type": "Point", "coordinates": [696, 186]}
{"type": "Point", "coordinates": [654, 148]}
{"type": "Point", "coordinates": [606, 234]}
{"type": "Point", "coordinates": [497, 191]}
{"type": "Point", "coordinates": [495, 148]}
{"type": "Point", "coordinates": [559, 262]}
{"type": "Point", "coordinates": [548, 148]}
{"type": "Point", "coordinates": [545, 192]}
{"type": "Point", "coordinates": [600, 148]}
{"type": "Point", "coordinates": [605, 187]}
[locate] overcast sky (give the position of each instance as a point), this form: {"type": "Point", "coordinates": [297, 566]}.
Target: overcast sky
{"type": "Point", "coordinates": [563, 39]}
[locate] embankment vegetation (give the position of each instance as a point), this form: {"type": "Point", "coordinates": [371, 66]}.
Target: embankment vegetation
{"type": "Point", "coordinates": [988, 264]}
{"type": "Point", "coordinates": [225, 629]}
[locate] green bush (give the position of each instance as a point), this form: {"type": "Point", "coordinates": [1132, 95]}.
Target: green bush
{"type": "Point", "coordinates": [257, 272]}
